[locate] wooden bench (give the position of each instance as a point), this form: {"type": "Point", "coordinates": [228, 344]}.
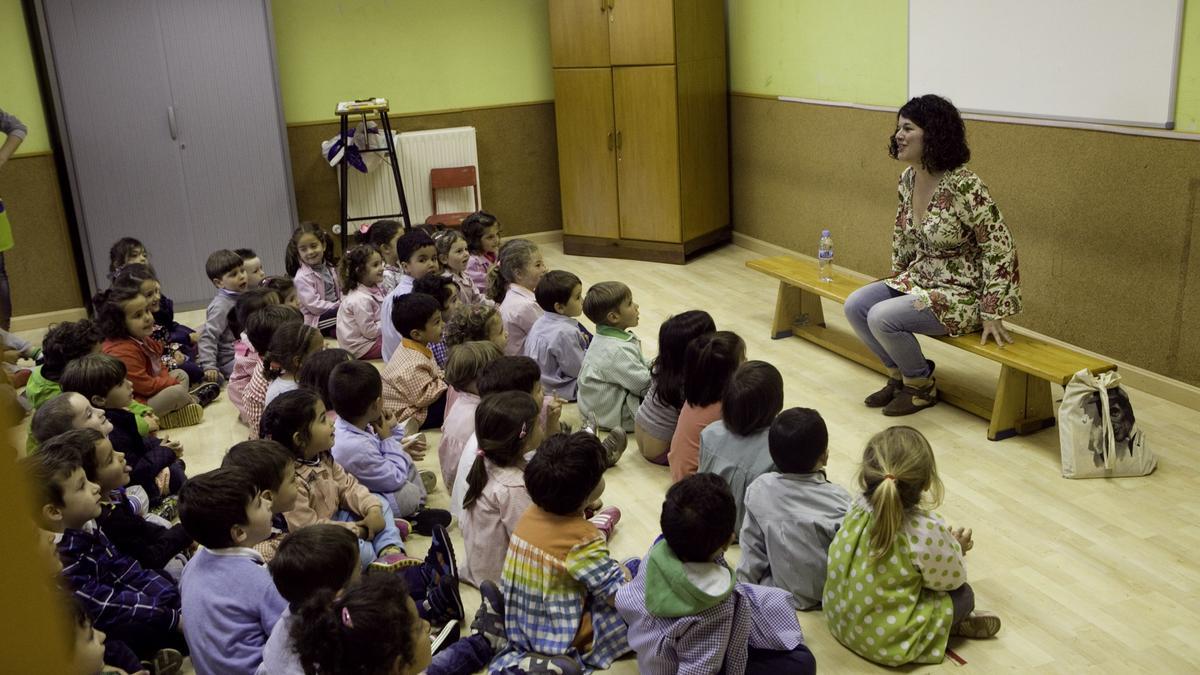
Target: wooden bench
{"type": "Point", "coordinates": [1022, 403]}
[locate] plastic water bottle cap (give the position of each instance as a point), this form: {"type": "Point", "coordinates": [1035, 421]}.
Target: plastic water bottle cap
{"type": "Point", "coordinates": [824, 233]}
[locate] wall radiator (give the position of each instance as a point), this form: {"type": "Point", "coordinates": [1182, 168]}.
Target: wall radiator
{"type": "Point", "coordinates": [375, 192]}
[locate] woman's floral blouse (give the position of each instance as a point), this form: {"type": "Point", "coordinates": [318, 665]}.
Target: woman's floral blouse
{"type": "Point", "coordinates": [960, 261]}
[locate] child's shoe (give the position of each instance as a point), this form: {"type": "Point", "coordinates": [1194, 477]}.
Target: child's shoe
{"type": "Point", "coordinates": [606, 521]}
{"type": "Point", "coordinates": [404, 527]}
{"type": "Point", "coordinates": [633, 565]}
{"type": "Point", "coordinates": [448, 635]}
{"type": "Point", "coordinates": [538, 664]}
{"type": "Point", "coordinates": [391, 559]}
{"type": "Point", "coordinates": [614, 446]}
{"type": "Point", "coordinates": [424, 520]}
{"type": "Point", "coordinates": [443, 603]}
{"type": "Point", "coordinates": [591, 424]}
{"type": "Point", "coordinates": [428, 479]}
{"type": "Point", "coordinates": [441, 553]}
{"type": "Point", "coordinates": [489, 618]}
{"type": "Point", "coordinates": [978, 625]}
{"type": "Point", "coordinates": [167, 509]}
{"type": "Point", "coordinates": [206, 393]}
{"type": "Point", "coordinates": [189, 415]}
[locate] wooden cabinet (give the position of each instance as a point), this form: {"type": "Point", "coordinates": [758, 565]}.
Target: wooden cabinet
{"type": "Point", "coordinates": [641, 111]}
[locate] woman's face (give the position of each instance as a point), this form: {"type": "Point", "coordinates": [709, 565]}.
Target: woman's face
{"type": "Point", "coordinates": [910, 141]}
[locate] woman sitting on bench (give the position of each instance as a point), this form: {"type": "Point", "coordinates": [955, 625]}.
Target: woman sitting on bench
{"type": "Point", "coordinates": [954, 266]}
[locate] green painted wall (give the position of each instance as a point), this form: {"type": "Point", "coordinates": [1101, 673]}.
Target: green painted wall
{"type": "Point", "coordinates": [422, 55]}
{"type": "Point", "coordinates": [18, 78]}
{"type": "Point", "coordinates": [856, 51]}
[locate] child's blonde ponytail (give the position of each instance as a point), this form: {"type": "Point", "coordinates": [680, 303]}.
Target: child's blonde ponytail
{"type": "Point", "coordinates": [897, 468]}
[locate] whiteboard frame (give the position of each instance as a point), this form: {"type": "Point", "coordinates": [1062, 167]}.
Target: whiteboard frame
{"type": "Point", "coordinates": [1172, 94]}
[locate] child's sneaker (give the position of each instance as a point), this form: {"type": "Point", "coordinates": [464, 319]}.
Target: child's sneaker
{"type": "Point", "coordinates": [489, 618]}
{"type": "Point", "coordinates": [443, 602]}
{"type": "Point", "coordinates": [633, 565]}
{"type": "Point", "coordinates": [606, 521]}
{"type": "Point", "coordinates": [424, 520]}
{"type": "Point", "coordinates": [391, 559]}
{"type": "Point", "coordinates": [978, 625]}
{"type": "Point", "coordinates": [404, 527]}
{"type": "Point", "coordinates": [538, 664]}
{"type": "Point", "coordinates": [206, 393]}
{"type": "Point", "coordinates": [189, 415]}
{"type": "Point", "coordinates": [591, 424]}
{"type": "Point", "coordinates": [167, 509]}
{"type": "Point", "coordinates": [445, 637]}
{"type": "Point", "coordinates": [428, 479]}
{"type": "Point", "coordinates": [441, 553]}
{"type": "Point", "coordinates": [614, 446]}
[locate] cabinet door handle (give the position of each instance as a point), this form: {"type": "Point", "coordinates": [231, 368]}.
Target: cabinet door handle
{"type": "Point", "coordinates": [171, 123]}
{"type": "Point", "coordinates": [610, 141]}
{"type": "Point", "coordinates": [603, 6]}
{"type": "Point", "coordinates": [610, 5]}
{"type": "Point", "coordinates": [618, 146]}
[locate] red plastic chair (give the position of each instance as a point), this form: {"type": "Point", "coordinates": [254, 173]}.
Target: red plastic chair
{"type": "Point", "coordinates": [451, 177]}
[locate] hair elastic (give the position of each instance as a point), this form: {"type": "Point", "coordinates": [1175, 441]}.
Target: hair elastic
{"type": "Point", "coordinates": [479, 452]}
{"type": "Point", "coordinates": [889, 476]}
{"type": "Point", "coordinates": [524, 431]}
{"type": "Point", "coordinates": [346, 618]}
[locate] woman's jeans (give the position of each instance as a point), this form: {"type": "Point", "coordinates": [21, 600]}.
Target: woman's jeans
{"type": "Point", "coordinates": [886, 320]}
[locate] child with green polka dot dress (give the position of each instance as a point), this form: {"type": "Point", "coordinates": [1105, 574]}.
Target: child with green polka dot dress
{"type": "Point", "coordinates": [896, 588]}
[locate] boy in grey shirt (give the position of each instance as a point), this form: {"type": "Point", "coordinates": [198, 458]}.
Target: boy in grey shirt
{"type": "Point", "coordinates": [792, 516]}
{"type": "Point", "coordinates": [215, 355]}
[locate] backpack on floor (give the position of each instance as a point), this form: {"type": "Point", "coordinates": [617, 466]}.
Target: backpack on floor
{"type": "Point", "coordinates": [1099, 435]}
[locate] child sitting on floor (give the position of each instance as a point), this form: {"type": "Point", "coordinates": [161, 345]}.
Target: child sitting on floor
{"type": "Point", "coordinates": [273, 470]}
{"type": "Point", "coordinates": [154, 462]}
{"type": "Point", "coordinates": [412, 381]}
{"type": "Point", "coordinates": [311, 262]}
{"type": "Point", "coordinates": [418, 257]}
{"type": "Point", "coordinates": [919, 582]}
{"type": "Point", "coordinates": [792, 516]}
{"type": "Point", "coordinates": [361, 276]}
{"type": "Point", "coordinates": [126, 323]}
{"type": "Point", "coordinates": [327, 494]}
{"type": "Point", "coordinates": [289, 347]}
{"type": "Point", "coordinates": [614, 376]}
{"type": "Point", "coordinates": [253, 266]}
{"type": "Point", "coordinates": [127, 252]}
{"type": "Point", "coordinates": [178, 342]}
{"type": "Point", "coordinates": [711, 361]}
{"type": "Point", "coordinates": [685, 611]}
{"type": "Point", "coordinates": [557, 341]}
{"type": "Point", "coordinates": [62, 344]}
{"type": "Point", "coordinates": [518, 269]}
{"type": "Point", "coordinates": [152, 541]}
{"type": "Point", "coordinates": [443, 290]}
{"type": "Point", "coordinates": [482, 233]}
{"type": "Point", "coordinates": [382, 235]}
{"type": "Point", "coordinates": [454, 257]}
{"type": "Point", "coordinates": [735, 447]}
{"type": "Point", "coordinates": [134, 605]}
{"type": "Point", "coordinates": [370, 445]}
{"type": "Point", "coordinates": [228, 596]}
{"type": "Point", "coordinates": [462, 371]}
{"type": "Point", "coordinates": [101, 379]}
{"type": "Point", "coordinates": [507, 429]}
{"type": "Point", "coordinates": [286, 289]}
{"type": "Point", "coordinates": [558, 578]}
{"type": "Point", "coordinates": [468, 323]}
{"type": "Point", "coordinates": [215, 355]}
{"type": "Point", "coordinates": [659, 411]}
{"type": "Point", "coordinates": [260, 328]}
{"type": "Point", "coordinates": [246, 358]}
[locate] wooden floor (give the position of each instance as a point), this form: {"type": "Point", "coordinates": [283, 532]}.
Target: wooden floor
{"type": "Point", "coordinates": [1089, 576]}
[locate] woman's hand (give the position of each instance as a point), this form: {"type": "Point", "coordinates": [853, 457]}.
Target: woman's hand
{"type": "Point", "coordinates": [995, 329]}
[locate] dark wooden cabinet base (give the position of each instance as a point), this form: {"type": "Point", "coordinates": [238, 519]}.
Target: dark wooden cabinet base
{"type": "Point", "coordinates": [649, 251]}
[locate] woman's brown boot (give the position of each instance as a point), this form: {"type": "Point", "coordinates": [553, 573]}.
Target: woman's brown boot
{"type": "Point", "coordinates": [884, 396]}
{"type": "Point", "coordinates": [916, 395]}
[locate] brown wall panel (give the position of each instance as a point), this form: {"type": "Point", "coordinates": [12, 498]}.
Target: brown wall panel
{"type": "Point", "coordinates": [1106, 225]}
{"type": "Point", "coordinates": [41, 266]}
{"type": "Point", "coordinates": [518, 164]}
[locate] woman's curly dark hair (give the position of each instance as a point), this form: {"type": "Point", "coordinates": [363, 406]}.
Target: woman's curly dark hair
{"type": "Point", "coordinates": [945, 141]}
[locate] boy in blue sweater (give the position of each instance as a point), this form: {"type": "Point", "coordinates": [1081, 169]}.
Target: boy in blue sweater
{"type": "Point", "coordinates": [230, 600]}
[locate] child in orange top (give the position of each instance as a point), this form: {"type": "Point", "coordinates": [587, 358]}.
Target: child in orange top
{"type": "Point", "coordinates": [412, 381]}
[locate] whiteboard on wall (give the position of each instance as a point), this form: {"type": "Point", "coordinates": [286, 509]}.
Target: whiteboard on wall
{"type": "Point", "coordinates": [1109, 61]}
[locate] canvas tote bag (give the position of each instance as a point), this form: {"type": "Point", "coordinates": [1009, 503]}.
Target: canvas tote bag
{"type": "Point", "coordinates": [1098, 433]}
